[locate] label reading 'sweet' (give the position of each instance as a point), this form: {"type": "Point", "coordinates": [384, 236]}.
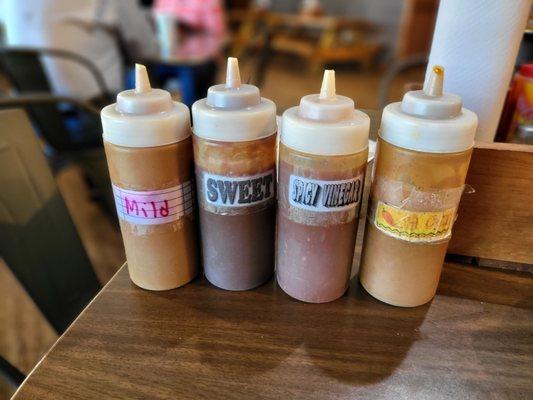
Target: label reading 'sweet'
{"type": "Point", "coordinates": [238, 191]}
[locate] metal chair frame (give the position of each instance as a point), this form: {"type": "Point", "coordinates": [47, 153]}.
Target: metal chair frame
{"type": "Point", "coordinates": [66, 55]}
{"type": "Point", "coordinates": [396, 68]}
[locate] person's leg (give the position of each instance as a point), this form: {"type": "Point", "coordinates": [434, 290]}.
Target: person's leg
{"type": "Point", "coordinates": [163, 73]}
{"type": "Point", "coordinates": [205, 77]}
{"type": "Point", "coordinates": [194, 80]}
{"type": "Point", "coordinates": [129, 78]}
{"type": "Point", "coordinates": [188, 78]}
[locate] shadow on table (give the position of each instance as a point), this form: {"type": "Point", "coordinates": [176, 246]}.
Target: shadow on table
{"type": "Point", "coordinates": [258, 334]}
{"type": "Point", "coordinates": [362, 340]}
{"type": "Point", "coordinates": [356, 339]}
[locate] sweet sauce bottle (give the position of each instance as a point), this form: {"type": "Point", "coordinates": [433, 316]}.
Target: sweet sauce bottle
{"type": "Point", "coordinates": [322, 161]}
{"type": "Point", "coordinates": [147, 139]}
{"type": "Point", "coordinates": [234, 152]}
{"type": "Point", "coordinates": [424, 148]}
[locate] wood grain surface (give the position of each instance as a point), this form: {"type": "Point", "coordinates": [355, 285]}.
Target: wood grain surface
{"type": "Point", "coordinates": [496, 221]}
{"type": "Point", "coordinates": [474, 341]}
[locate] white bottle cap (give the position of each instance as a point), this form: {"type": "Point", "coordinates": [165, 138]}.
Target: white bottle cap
{"type": "Point", "coordinates": [234, 112]}
{"type": "Point", "coordinates": [145, 117]}
{"type": "Point", "coordinates": [326, 123]}
{"type": "Point", "coordinates": [429, 120]}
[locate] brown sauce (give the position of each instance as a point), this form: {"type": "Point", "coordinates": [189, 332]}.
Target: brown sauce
{"type": "Point", "coordinates": [395, 270]}
{"type": "Point", "coordinates": [315, 249]}
{"type": "Point", "coordinates": [237, 236]}
{"type": "Point", "coordinates": [163, 256]}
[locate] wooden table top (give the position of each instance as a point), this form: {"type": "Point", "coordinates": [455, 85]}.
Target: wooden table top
{"type": "Point", "coordinates": [474, 341]}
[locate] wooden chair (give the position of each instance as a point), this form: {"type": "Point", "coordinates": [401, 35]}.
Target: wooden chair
{"type": "Point", "coordinates": [324, 39]}
{"type": "Point", "coordinates": [417, 23]}
{"type": "Point", "coordinates": [249, 33]}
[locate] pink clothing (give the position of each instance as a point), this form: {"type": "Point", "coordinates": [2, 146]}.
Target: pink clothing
{"type": "Point", "coordinates": [200, 14]}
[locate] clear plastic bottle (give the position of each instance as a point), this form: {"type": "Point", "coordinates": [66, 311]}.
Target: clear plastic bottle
{"type": "Point", "coordinates": [147, 139]}
{"type": "Point", "coordinates": [424, 150]}
{"type": "Point", "coordinates": [322, 162]}
{"type": "Point", "coordinates": [235, 156]}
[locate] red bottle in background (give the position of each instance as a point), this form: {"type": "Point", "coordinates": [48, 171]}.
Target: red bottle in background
{"type": "Point", "coordinates": [516, 123]}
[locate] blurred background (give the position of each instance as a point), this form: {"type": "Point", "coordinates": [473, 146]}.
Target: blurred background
{"type": "Point", "coordinates": [61, 61]}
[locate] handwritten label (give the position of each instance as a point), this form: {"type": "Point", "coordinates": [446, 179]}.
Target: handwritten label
{"type": "Point", "coordinates": [325, 196]}
{"type": "Point", "coordinates": [414, 226]}
{"type": "Point", "coordinates": [155, 206]}
{"type": "Point", "coordinates": [239, 191]}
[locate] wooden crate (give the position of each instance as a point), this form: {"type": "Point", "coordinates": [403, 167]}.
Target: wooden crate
{"type": "Point", "coordinates": [496, 221]}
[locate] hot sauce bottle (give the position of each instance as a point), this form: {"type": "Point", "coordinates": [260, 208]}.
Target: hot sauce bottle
{"type": "Point", "coordinates": [235, 157]}
{"type": "Point", "coordinates": [424, 148]}
{"type": "Point", "coordinates": [322, 161]}
{"type": "Point", "coordinates": [147, 139]}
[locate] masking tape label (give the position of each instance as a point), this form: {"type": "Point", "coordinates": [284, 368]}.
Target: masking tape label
{"type": "Point", "coordinates": [414, 226]}
{"type": "Point", "coordinates": [239, 191]}
{"type": "Point", "coordinates": [154, 207]}
{"type": "Point", "coordinates": [325, 196]}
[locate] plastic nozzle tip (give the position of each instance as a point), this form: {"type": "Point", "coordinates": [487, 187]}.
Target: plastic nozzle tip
{"type": "Point", "coordinates": [435, 82]}
{"type": "Point", "coordinates": [142, 82]}
{"type": "Point", "coordinates": [327, 91]}
{"type": "Point", "coordinates": [233, 76]}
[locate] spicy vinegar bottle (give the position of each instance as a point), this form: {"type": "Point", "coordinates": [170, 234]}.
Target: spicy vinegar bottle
{"type": "Point", "coordinates": [322, 161]}
{"type": "Point", "coordinates": [235, 156]}
{"type": "Point", "coordinates": [424, 148]}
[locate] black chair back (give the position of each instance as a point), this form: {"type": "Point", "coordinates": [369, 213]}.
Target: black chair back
{"type": "Point", "coordinates": [38, 240]}
{"type": "Point", "coordinates": [25, 72]}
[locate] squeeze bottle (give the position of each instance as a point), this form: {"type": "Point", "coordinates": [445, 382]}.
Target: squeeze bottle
{"type": "Point", "coordinates": [147, 139]}
{"type": "Point", "coordinates": [322, 161]}
{"type": "Point", "coordinates": [234, 151]}
{"type": "Point", "coordinates": [424, 148]}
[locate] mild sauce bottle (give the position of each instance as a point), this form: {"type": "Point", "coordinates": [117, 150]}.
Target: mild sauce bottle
{"type": "Point", "coordinates": [235, 156]}
{"type": "Point", "coordinates": [147, 139]}
{"type": "Point", "coordinates": [322, 161]}
{"type": "Point", "coordinates": [424, 148]}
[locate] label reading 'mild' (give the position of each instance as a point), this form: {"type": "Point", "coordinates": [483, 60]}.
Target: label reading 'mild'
{"type": "Point", "coordinates": [239, 191]}
{"type": "Point", "coordinates": [154, 207]}
{"type": "Point", "coordinates": [325, 196]}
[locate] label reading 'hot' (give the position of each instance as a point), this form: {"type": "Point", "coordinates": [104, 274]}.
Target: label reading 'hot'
{"type": "Point", "coordinates": [155, 206]}
{"type": "Point", "coordinates": [414, 226]}
{"type": "Point", "coordinates": [325, 196]}
{"type": "Point", "coordinates": [239, 191]}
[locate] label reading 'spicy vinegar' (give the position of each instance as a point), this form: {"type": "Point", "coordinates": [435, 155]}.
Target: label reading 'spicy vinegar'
{"type": "Point", "coordinates": [325, 196]}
